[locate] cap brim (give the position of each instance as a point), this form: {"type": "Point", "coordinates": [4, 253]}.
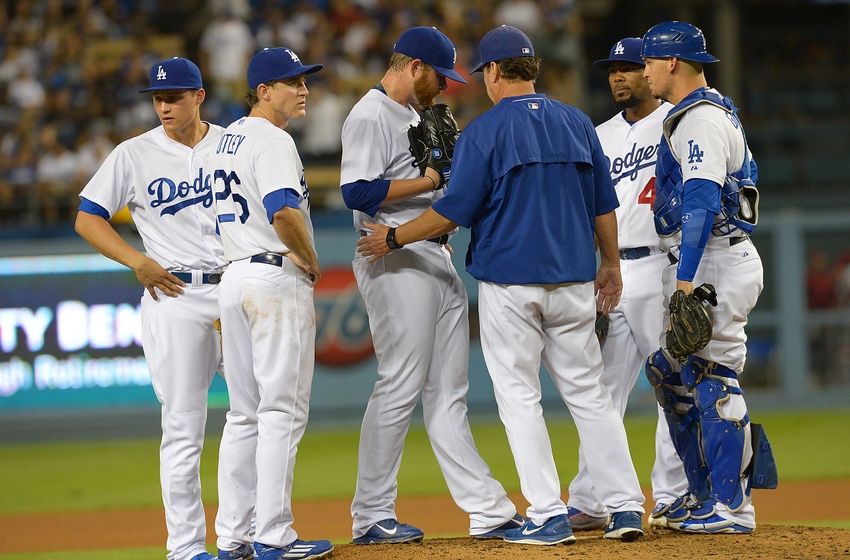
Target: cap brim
{"type": "Point", "coordinates": [306, 69]}
{"type": "Point", "coordinates": [167, 88]}
{"type": "Point", "coordinates": [449, 73]}
{"type": "Point", "coordinates": [604, 63]}
{"type": "Point", "coordinates": [480, 66]}
{"type": "Point", "coordinates": [705, 58]}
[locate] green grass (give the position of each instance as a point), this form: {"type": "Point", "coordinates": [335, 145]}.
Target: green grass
{"type": "Point", "coordinates": [124, 474]}
{"type": "Point", "coordinates": [123, 554]}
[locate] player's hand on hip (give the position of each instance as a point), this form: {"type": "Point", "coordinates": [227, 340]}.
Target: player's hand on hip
{"type": "Point", "coordinates": [374, 246]}
{"type": "Point", "coordinates": [609, 287]}
{"type": "Point", "coordinates": [312, 269]}
{"type": "Point", "coordinates": [152, 276]}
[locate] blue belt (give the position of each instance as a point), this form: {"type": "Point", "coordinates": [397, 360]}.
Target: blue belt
{"type": "Point", "coordinates": [207, 278]}
{"type": "Point", "coordinates": [442, 240]}
{"type": "Point", "coordinates": [634, 253]}
{"type": "Point", "coordinates": [273, 259]}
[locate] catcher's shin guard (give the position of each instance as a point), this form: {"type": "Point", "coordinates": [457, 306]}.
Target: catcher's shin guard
{"type": "Point", "coordinates": [725, 428]}
{"type": "Point", "coordinates": [682, 419]}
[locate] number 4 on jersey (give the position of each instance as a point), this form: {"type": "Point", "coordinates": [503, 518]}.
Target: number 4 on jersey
{"type": "Point", "coordinates": [647, 194]}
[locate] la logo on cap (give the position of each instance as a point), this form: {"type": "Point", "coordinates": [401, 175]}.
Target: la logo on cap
{"type": "Point", "coordinates": [160, 73]}
{"type": "Point", "coordinates": [619, 49]}
{"type": "Point", "coordinates": [293, 56]}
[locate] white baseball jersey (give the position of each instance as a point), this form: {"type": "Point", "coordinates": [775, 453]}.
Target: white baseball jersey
{"type": "Point", "coordinates": [167, 187]}
{"type": "Point", "coordinates": [636, 321]}
{"type": "Point", "coordinates": [257, 160]}
{"type": "Point", "coordinates": [708, 142]}
{"type": "Point", "coordinates": [632, 152]}
{"type": "Point", "coordinates": [375, 146]}
{"type": "Point", "coordinates": [268, 322]}
{"type": "Point", "coordinates": [422, 342]}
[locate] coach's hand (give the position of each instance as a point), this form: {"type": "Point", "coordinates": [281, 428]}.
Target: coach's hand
{"type": "Point", "coordinates": [609, 287]}
{"type": "Point", "coordinates": [374, 246]}
{"type": "Point", "coordinates": [153, 276]}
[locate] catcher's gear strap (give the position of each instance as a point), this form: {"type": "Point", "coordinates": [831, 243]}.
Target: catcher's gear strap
{"type": "Point", "coordinates": [365, 196]}
{"type": "Point", "coordinates": [682, 419]}
{"type": "Point", "coordinates": [724, 428]}
{"type": "Point", "coordinates": [762, 469]}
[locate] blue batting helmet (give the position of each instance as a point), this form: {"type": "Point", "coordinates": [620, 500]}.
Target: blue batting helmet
{"type": "Point", "coordinates": [676, 39]}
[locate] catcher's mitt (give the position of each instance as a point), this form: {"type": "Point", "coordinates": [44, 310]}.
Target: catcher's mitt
{"type": "Point", "coordinates": [432, 141]}
{"type": "Point", "coordinates": [690, 321]}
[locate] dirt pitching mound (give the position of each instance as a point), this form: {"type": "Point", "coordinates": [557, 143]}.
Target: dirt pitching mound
{"type": "Point", "coordinates": [769, 542]}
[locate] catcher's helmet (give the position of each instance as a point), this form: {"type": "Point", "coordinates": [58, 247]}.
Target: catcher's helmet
{"type": "Point", "coordinates": [676, 39]}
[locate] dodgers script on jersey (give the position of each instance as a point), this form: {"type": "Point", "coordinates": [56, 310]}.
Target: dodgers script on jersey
{"type": "Point", "coordinates": [632, 150]}
{"type": "Point", "coordinates": [167, 205]}
{"type": "Point", "coordinates": [255, 152]}
{"type": "Point", "coordinates": [377, 147]}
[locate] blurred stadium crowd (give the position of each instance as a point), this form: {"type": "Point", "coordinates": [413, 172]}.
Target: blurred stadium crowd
{"type": "Point", "coordinates": [70, 71]}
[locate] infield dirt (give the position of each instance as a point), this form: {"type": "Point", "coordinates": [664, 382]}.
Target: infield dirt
{"type": "Point", "coordinates": [792, 503]}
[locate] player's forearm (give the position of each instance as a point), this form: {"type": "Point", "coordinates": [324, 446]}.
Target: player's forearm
{"type": "Point", "coordinates": [291, 229]}
{"type": "Point", "coordinates": [405, 188]}
{"type": "Point", "coordinates": [429, 224]}
{"type": "Point", "coordinates": [606, 234]}
{"type": "Point", "coordinates": [100, 234]}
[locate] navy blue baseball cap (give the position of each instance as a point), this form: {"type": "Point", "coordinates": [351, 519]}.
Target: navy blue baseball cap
{"type": "Point", "coordinates": [175, 73]}
{"type": "Point", "coordinates": [277, 64]}
{"type": "Point", "coordinates": [505, 41]}
{"type": "Point", "coordinates": [624, 50]}
{"type": "Point", "coordinates": [432, 47]}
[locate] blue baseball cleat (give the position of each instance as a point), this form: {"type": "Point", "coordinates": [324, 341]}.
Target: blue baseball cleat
{"type": "Point", "coordinates": [581, 521]}
{"type": "Point", "coordinates": [296, 550]}
{"type": "Point", "coordinates": [244, 552]}
{"type": "Point", "coordinates": [390, 531]}
{"type": "Point", "coordinates": [554, 531]}
{"type": "Point", "coordinates": [714, 524]}
{"type": "Point", "coordinates": [515, 522]}
{"type": "Point", "coordinates": [625, 526]}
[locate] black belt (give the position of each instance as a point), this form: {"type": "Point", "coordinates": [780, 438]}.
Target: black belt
{"type": "Point", "coordinates": [732, 242]}
{"type": "Point", "coordinates": [273, 259]}
{"type": "Point", "coordinates": [633, 253]}
{"type": "Point", "coordinates": [206, 278]}
{"type": "Point", "coordinates": [442, 240]}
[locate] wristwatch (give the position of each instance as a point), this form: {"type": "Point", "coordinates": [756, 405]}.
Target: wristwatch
{"type": "Point", "coordinates": [391, 242]}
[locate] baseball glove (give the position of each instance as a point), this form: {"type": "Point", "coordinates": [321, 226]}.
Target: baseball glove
{"type": "Point", "coordinates": [432, 141]}
{"type": "Point", "coordinates": [690, 321]}
{"type": "Point", "coordinates": [601, 327]}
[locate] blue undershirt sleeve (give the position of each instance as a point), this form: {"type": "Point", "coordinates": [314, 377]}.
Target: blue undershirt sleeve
{"type": "Point", "coordinates": [365, 196]}
{"type": "Point", "coordinates": [700, 203]}
{"type": "Point", "coordinates": [276, 200]}
{"type": "Point", "coordinates": [94, 208]}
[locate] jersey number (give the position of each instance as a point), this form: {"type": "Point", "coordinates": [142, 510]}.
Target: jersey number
{"type": "Point", "coordinates": [647, 195]}
{"type": "Point", "coordinates": [226, 193]}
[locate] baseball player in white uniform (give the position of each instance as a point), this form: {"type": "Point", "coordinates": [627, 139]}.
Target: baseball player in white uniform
{"type": "Point", "coordinates": [267, 314]}
{"type": "Point", "coordinates": [416, 303]}
{"type": "Point", "coordinates": [531, 181]}
{"type": "Point", "coordinates": [630, 141]}
{"type": "Point", "coordinates": [706, 201]}
{"type": "Point", "coordinates": [165, 179]}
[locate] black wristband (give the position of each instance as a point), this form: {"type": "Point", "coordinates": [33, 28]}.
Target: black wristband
{"type": "Point", "coordinates": [391, 242]}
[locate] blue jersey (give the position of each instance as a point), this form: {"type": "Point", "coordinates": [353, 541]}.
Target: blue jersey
{"type": "Point", "coordinates": [529, 179]}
